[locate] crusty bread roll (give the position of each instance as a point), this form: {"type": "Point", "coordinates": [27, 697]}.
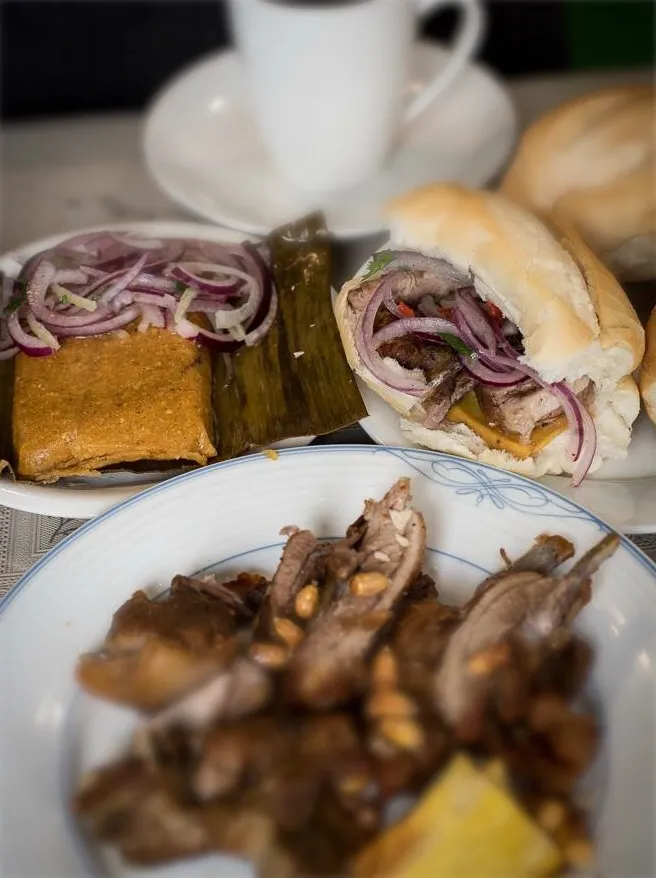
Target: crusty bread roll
{"type": "Point", "coordinates": [648, 369]}
{"type": "Point", "coordinates": [592, 161]}
{"type": "Point", "coordinates": [574, 317]}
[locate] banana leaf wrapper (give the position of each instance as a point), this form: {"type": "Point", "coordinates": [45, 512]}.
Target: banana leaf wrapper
{"type": "Point", "coordinates": [297, 382]}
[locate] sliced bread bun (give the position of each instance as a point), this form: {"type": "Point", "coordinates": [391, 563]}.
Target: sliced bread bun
{"type": "Point", "coordinates": [574, 316]}
{"type": "Point", "coordinates": [648, 370]}
{"type": "Point", "coordinates": [592, 161]}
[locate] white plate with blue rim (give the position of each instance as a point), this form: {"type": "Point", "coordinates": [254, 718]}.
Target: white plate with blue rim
{"type": "Point", "coordinates": [228, 517]}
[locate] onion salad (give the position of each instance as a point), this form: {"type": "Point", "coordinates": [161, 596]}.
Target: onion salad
{"type": "Point", "coordinates": [99, 283]}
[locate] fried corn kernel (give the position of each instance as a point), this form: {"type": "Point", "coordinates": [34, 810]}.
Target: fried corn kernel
{"type": "Point", "coordinates": [366, 585]}
{"type": "Point", "coordinates": [307, 601]}
{"type": "Point", "coordinates": [405, 734]}
{"type": "Point", "coordinates": [269, 655]}
{"type": "Point", "coordinates": [551, 815]}
{"type": "Point", "coordinates": [288, 631]}
{"type": "Point", "coordinates": [384, 669]}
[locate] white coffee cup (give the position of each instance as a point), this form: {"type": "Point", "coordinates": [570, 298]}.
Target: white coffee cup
{"type": "Point", "coordinates": [328, 81]}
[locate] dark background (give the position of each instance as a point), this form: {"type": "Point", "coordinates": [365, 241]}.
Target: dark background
{"type": "Point", "coordinates": [67, 56]}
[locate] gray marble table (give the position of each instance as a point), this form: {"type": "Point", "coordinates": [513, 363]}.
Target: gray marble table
{"type": "Point", "coordinates": [61, 174]}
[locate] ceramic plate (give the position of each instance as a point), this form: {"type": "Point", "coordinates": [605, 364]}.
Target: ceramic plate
{"type": "Point", "coordinates": [88, 497]}
{"type": "Point", "coordinates": [623, 492]}
{"type": "Point", "coordinates": [203, 150]}
{"type": "Point", "coordinates": [228, 517]}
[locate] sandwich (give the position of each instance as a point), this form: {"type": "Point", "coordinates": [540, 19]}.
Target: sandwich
{"type": "Point", "coordinates": [648, 369]}
{"type": "Point", "coordinates": [108, 400]}
{"type": "Point", "coordinates": [497, 336]}
{"type": "Point", "coordinates": [592, 161]}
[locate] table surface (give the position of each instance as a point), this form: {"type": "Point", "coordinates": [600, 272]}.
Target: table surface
{"type": "Point", "coordinates": [63, 174]}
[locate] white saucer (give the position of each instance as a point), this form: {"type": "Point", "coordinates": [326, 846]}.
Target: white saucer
{"type": "Point", "coordinates": [202, 149]}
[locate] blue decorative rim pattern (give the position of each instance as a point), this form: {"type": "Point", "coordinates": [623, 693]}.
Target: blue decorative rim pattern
{"type": "Point", "coordinates": [484, 482]}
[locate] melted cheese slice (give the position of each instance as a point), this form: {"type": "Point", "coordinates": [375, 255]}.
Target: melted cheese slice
{"type": "Point", "coordinates": [469, 413]}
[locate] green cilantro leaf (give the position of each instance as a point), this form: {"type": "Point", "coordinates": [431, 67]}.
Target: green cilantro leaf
{"type": "Point", "coordinates": [378, 262]}
{"type": "Point", "coordinates": [457, 344]}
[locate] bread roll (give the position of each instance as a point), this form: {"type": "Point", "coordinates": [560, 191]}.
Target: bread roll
{"type": "Point", "coordinates": [592, 161]}
{"type": "Point", "coordinates": [574, 317]}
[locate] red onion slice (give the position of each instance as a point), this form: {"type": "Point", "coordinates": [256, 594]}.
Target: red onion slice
{"type": "Point", "coordinates": [122, 282]}
{"type": "Point", "coordinates": [477, 321]}
{"type": "Point", "coordinates": [587, 446]}
{"type": "Point", "coordinates": [101, 327]}
{"type": "Point", "coordinates": [491, 377]}
{"type": "Point", "coordinates": [412, 325]}
{"type": "Point", "coordinates": [370, 357]}
{"type": "Point", "coordinates": [410, 260]}
{"type": "Point", "coordinates": [256, 335]}
{"type": "Point", "coordinates": [36, 290]}
{"type": "Point", "coordinates": [26, 343]}
{"type": "Point", "coordinates": [228, 285]}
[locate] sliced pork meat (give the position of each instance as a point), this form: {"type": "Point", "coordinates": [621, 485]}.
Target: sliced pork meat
{"type": "Point", "coordinates": [419, 638]}
{"type": "Point", "coordinates": [138, 807]}
{"type": "Point", "coordinates": [302, 564]}
{"type": "Point", "coordinates": [527, 604]}
{"type": "Point", "coordinates": [246, 592]}
{"type": "Point", "coordinates": [522, 408]}
{"type": "Point", "coordinates": [547, 553]}
{"type": "Point", "coordinates": [434, 407]}
{"type": "Point", "coordinates": [157, 650]}
{"type": "Point", "coordinates": [241, 688]}
{"type": "Point", "coordinates": [328, 666]}
{"type": "Point", "coordinates": [438, 362]}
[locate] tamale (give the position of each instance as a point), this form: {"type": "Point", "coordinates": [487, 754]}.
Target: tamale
{"type": "Point", "coordinates": [297, 382]}
{"type": "Point", "coordinates": [111, 400]}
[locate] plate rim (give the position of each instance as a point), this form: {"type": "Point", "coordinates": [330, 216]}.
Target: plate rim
{"type": "Point", "coordinates": [221, 55]}
{"type": "Point", "coordinates": [633, 528]}
{"type": "Point", "coordinates": [322, 450]}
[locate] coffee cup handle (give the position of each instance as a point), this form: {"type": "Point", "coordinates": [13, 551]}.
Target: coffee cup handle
{"type": "Point", "coordinates": [470, 32]}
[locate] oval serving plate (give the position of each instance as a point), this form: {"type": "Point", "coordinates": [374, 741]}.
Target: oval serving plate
{"type": "Point", "coordinates": [85, 498]}
{"type": "Point", "coordinates": [228, 516]}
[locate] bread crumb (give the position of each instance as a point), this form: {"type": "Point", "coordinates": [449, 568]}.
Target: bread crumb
{"type": "Point", "coordinates": [298, 354]}
{"type": "Point", "coordinates": [271, 454]}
